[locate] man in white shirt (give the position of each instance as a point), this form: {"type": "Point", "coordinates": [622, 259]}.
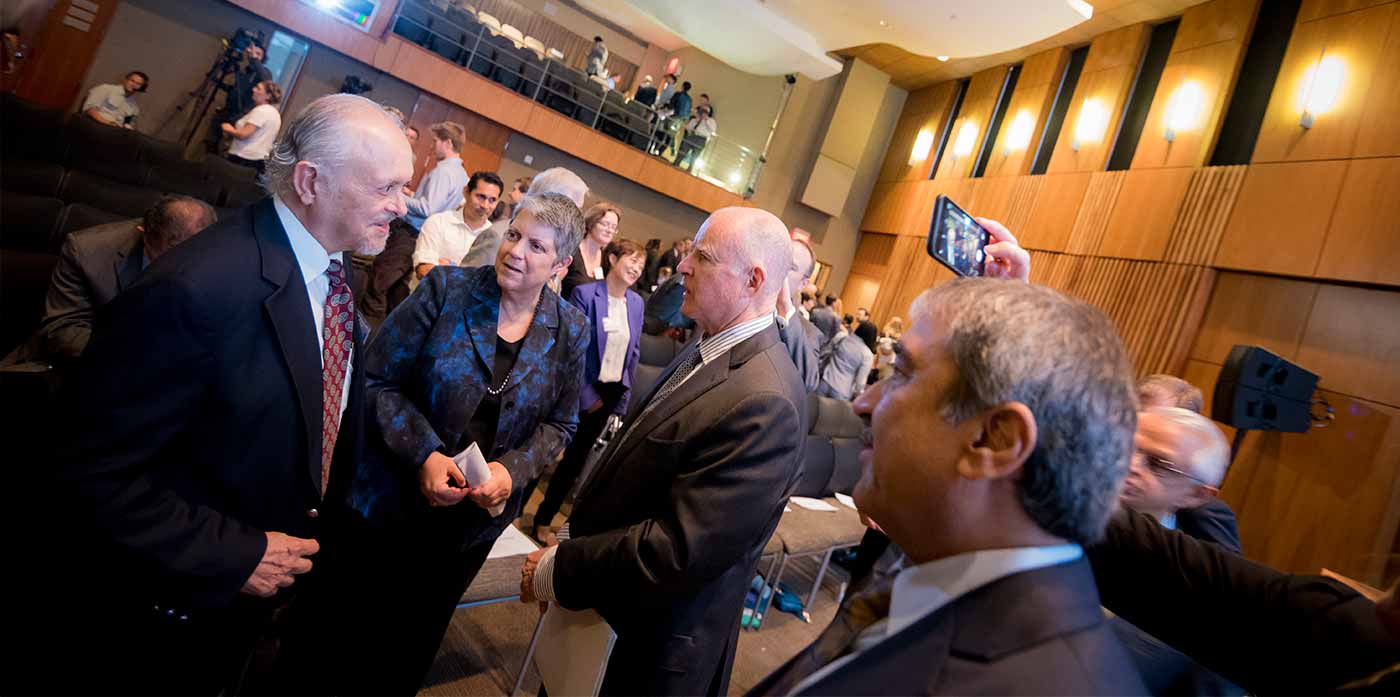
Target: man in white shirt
{"type": "Point", "coordinates": [991, 455]}
{"type": "Point", "coordinates": [697, 133]}
{"type": "Point", "coordinates": [115, 105]}
{"type": "Point", "coordinates": [446, 237]}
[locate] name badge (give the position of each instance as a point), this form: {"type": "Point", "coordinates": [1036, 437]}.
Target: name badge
{"type": "Point", "coordinates": [598, 273]}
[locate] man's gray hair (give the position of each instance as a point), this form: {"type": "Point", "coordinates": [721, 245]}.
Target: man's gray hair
{"type": "Point", "coordinates": [558, 180]}
{"type": "Point", "coordinates": [559, 214]}
{"type": "Point", "coordinates": [1062, 358]}
{"type": "Point", "coordinates": [318, 134]}
{"type": "Point", "coordinates": [1208, 453]}
{"type": "Point", "coordinates": [1170, 391]}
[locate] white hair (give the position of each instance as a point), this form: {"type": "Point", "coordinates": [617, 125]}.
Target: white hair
{"type": "Point", "coordinates": [558, 180]}
{"type": "Point", "coordinates": [1209, 454]}
{"type": "Point", "coordinates": [319, 134]}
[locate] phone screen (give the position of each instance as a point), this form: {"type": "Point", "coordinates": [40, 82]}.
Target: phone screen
{"type": "Point", "coordinates": [957, 240]}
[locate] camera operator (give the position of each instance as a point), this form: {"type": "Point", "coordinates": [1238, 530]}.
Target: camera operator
{"type": "Point", "coordinates": [252, 74]}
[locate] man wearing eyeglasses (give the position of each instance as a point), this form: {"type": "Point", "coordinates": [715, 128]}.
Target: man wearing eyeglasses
{"type": "Point", "coordinates": [1179, 462]}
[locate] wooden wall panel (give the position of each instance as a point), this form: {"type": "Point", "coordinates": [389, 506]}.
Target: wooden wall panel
{"type": "Point", "coordinates": [1214, 22]}
{"type": "Point", "coordinates": [1110, 88]}
{"type": "Point", "coordinates": [1119, 48]}
{"type": "Point", "coordinates": [1352, 341]}
{"type": "Point", "coordinates": [1356, 38]}
{"type": "Point", "coordinates": [1145, 213]}
{"type": "Point", "coordinates": [1209, 200]}
{"type": "Point", "coordinates": [1258, 310]}
{"type": "Point", "coordinates": [53, 73]}
{"type": "Point", "coordinates": [925, 110]}
{"type": "Point", "coordinates": [976, 112]}
{"type": "Point", "coordinates": [1380, 129]}
{"type": "Point", "coordinates": [1092, 222]}
{"type": "Point", "coordinates": [1213, 70]}
{"type": "Point", "coordinates": [1007, 200]}
{"type": "Point", "coordinates": [1317, 9]}
{"type": "Point", "coordinates": [1281, 217]}
{"type": "Point", "coordinates": [1032, 103]}
{"type": "Point", "coordinates": [1363, 243]}
{"type": "Point", "coordinates": [1055, 209]}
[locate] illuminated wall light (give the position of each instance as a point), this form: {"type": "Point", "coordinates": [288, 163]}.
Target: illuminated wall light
{"type": "Point", "coordinates": [967, 138]}
{"type": "Point", "coordinates": [1084, 9]}
{"type": "Point", "coordinates": [735, 177]}
{"type": "Point", "coordinates": [1322, 88]}
{"type": "Point", "coordinates": [1018, 136]}
{"type": "Point", "coordinates": [923, 143]}
{"type": "Point", "coordinates": [328, 4]}
{"type": "Point", "coordinates": [1093, 118]}
{"type": "Point", "coordinates": [1184, 108]}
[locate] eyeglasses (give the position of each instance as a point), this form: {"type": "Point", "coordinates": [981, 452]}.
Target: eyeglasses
{"type": "Point", "coordinates": [1162, 465]}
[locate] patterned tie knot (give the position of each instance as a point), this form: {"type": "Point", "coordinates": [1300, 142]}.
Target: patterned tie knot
{"type": "Point", "coordinates": [336, 272]}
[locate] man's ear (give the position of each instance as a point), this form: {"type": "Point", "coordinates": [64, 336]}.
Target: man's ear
{"type": "Point", "coordinates": [998, 442]}
{"type": "Point", "coordinates": [756, 277]}
{"type": "Point", "coordinates": [1199, 495]}
{"type": "Point", "coordinates": [304, 180]}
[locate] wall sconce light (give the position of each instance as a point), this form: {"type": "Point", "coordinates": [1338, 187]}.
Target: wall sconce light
{"type": "Point", "coordinates": [923, 143]}
{"type": "Point", "coordinates": [967, 137]}
{"type": "Point", "coordinates": [1018, 136]}
{"type": "Point", "coordinates": [1322, 87]}
{"type": "Point", "coordinates": [1184, 108]}
{"type": "Point", "coordinates": [735, 177]}
{"type": "Point", "coordinates": [1093, 118]}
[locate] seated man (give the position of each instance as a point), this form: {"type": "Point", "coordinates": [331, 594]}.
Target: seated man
{"type": "Point", "coordinates": [115, 105]}
{"type": "Point", "coordinates": [98, 263]}
{"type": "Point", "coordinates": [447, 236]}
{"type": "Point", "coordinates": [990, 457]}
{"type": "Point", "coordinates": [1180, 460]}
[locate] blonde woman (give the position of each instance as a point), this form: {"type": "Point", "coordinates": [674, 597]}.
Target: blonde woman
{"type": "Point", "coordinates": [884, 347]}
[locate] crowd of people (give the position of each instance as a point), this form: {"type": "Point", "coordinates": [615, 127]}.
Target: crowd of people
{"type": "Point", "coordinates": [263, 464]}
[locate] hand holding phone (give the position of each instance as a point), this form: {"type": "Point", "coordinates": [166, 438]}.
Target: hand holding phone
{"type": "Point", "coordinates": [956, 239]}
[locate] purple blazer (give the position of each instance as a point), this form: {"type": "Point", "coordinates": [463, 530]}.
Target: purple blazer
{"type": "Point", "coordinates": [592, 298]}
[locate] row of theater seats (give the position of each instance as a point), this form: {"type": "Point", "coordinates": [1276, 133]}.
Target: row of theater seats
{"type": "Point", "coordinates": [458, 37]}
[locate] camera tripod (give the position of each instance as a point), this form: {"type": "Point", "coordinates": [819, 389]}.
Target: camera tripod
{"type": "Point", "coordinates": [201, 98]}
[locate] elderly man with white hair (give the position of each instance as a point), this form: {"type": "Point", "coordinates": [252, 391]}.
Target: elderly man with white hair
{"type": "Point", "coordinates": [665, 533]}
{"type": "Point", "coordinates": [1179, 462]}
{"type": "Point", "coordinates": [555, 180]}
{"type": "Point", "coordinates": [217, 413]}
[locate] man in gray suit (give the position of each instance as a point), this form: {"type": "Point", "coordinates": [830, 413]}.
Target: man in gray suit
{"type": "Point", "coordinates": [845, 366]}
{"type": "Point", "coordinates": [665, 533]}
{"type": "Point", "coordinates": [98, 263]}
{"type": "Point", "coordinates": [801, 338]}
{"type": "Point", "coordinates": [826, 319]}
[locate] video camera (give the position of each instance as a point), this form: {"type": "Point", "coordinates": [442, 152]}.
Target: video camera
{"type": "Point", "coordinates": [244, 37]}
{"type": "Point", "coordinates": [353, 84]}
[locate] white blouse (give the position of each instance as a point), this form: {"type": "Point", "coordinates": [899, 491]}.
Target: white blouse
{"type": "Point", "coordinates": [618, 332]}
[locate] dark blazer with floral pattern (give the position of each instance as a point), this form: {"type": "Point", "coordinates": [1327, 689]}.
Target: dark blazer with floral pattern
{"type": "Point", "coordinates": [428, 369]}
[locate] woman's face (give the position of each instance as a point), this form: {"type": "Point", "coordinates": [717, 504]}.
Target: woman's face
{"type": "Point", "coordinates": [602, 231]}
{"type": "Point", "coordinates": [259, 94]}
{"type": "Point", "coordinates": [526, 258]}
{"type": "Point", "coordinates": [627, 269]}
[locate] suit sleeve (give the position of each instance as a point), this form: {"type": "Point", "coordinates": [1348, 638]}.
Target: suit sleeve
{"type": "Point", "coordinates": [1267, 631]}
{"type": "Point", "coordinates": [862, 374]}
{"type": "Point", "coordinates": [801, 348]}
{"type": "Point", "coordinates": [587, 396]}
{"type": "Point", "coordinates": [128, 403]}
{"type": "Point", "coordinates": [391, 361]}
{"type": "Point", "coordinates": [731, 482]}
{"type": "Point", "coordinates": [68, 310]}
{"type": "Point", "coordinates": [483, 250]}
{"type": "Point", "coordinates": [555, 431]}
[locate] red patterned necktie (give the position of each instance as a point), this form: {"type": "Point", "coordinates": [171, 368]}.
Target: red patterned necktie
{"type": "Point", "coordinates": [335, 362]}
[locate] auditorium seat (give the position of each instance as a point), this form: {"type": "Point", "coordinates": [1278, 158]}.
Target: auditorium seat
{"type": "Point", "coordinates": [32, 132]}
{"type": "Point", "coordinates": [221, 170]}
{"type": "Point", "coordinates": [24, 281]}
{"type": "Point", "coordinates": [80, 216]}
{"type": "Point", "coordinates": [238, 194]}
{"type": "Point", "coordinates": [184, 178]}
{"type": "Point", "coordinates": [113, 153]}
{"type": "Point", "coordinates": [159, 153]}
{"type": "Point", "coordinates": [414, 23]}
{"type": "Point", "coordinates": [31, 177]}
{"type": "Point", "coordinates": [657, 350]}
{"type": "Point", "coordinates": [558, 91]}
{"type": "Point", "coordinates": [28, 222]}
{"type": "Point", "coordinates": [108, 195]}
{"type": "Point", "coordinates": [508, 64]}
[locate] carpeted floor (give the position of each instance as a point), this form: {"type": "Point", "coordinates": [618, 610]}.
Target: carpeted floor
{"type": "Point", "coordinates": [485, 645]}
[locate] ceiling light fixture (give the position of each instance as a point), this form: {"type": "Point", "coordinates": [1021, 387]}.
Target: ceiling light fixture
{"type": "Point", "coordinates": [1322, 88]}
{"type": "Point", "coordinates": [923, 143]}
{"type": "Point", "coordinates": [1093, 117]}
{"type": "Point", "coordinates": [1084, 9]}
{"type": "Point", "coordinates": [942, 59]}
{"type": "Point", "coordinates": [1184, 108]}
{"type": "Point", "coordinates": [1018, 136]}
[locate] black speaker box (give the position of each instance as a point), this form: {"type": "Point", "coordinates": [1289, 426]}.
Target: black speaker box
{"type": "Point", "coordinates": [1259, 391]}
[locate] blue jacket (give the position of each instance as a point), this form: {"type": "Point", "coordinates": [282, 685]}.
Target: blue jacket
{"type": "Point", "coordinates": [592, 298]}
{"type": "Point", "coordinates": [428, 369]}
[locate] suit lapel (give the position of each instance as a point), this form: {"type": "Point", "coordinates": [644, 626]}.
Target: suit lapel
{"type": "Point", "coordinates": [538, 340]}
{"type": "Point", "coordinates": [482, 317]}
{"type": "Point", "coordinates": [597, 313]}
{"type": "Point", "coordinates": [289, 309]}
{"type": "Point", "coordinates": [127, 266]}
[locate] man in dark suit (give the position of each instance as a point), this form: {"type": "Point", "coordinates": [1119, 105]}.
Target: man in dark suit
{"type": "Point", "coordinates": [825, 319]}
{"type": "Point", "coordinates": [801, 338]}
{"type": "Point", "coordinates": [219, 405]}
{"type": "Point", "coordinates": [663, 310]}
{"type": "Point", "coordinates": [98, 263]}
{"type": "Point", "coordinates": [991, 456]}
{"type": "Point", "coordinates": [665, 534]}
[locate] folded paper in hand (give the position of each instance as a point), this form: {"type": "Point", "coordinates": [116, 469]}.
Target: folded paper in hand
{"type": "Point", "coordinates": [473, 467]}
{"type": "Point", "coordinates": [572, 654]}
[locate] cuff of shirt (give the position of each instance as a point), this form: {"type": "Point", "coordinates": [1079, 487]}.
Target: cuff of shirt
{"type": "Point", "coordinates": [544, 577]}
{"type": "Point", "coordinates": [563, 533]}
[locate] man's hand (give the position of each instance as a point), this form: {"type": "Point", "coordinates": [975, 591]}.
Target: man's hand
{"type": "Point", "coordinates": [869, 522]}
{"type": "Point", "coordinates": [440, 481]}
{"type": "Point", "coordinates": [527, 577]}
{"type": "Point", "coordinates": [284, 558]}
{"type": "Point", "coordinates": [495, 490]}
{"type": "Point", "coordinates": [1005, 258]}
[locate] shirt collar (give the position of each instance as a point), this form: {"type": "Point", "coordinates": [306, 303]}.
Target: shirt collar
{"type": "Point", "coordinates": [923, 589]}
{"type": "Point", "coordinates": [713, 347]}
{"type": "Point", "coordinates": [311, 256]}
{"type": "Point", "coordinates": [1168, 520]}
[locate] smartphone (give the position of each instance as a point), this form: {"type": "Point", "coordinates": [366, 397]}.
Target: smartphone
{"type": "Point", "coordinates": [956, 240]}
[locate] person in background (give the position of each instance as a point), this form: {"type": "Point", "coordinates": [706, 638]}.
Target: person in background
{"type": "Point", "coordinates": [676, 113]}
{"type": "Point", "coordinates": [252, 74]}
{"type": "Point", "coordinates": [447, 236]}
{"type": "Point", "coordinates": [645, 93]}
{"type": "Point", "coordinates": [100, 262]}
{"type": "Point", "coordinates": [845, 366]}
{"type": "Point", "coordinates": [824, 318]}
{"type": "Point", "coordinates": [442, 187]}
{"type": "Point", "coordinates": [556, 180]}
{"type": "Point", "coordinates": [672, 257]}
{"type": "Point", "coordinates": [115, 105]}
{"type": "Point", "coordinates": [884, 348]}
{"type": "Point", "coordinates": [663, 274]}
{"type": "Point", "coordinates": [486, 356]}
{"type": "Point", "coordinates": [254, 133]}
{"type": "Point", "coordinates": [1178, 464]}
{"type": "Point", "coordinates": [615, 314]}
{"type": "Point", "coordinates": [598, 58]}
{"type": "Point", "coordinates": [668, 89]}
{"type": "Point", "coordinates": [697, 133]}
{"type": "Point", "coordinates": [647, 283]}
{"type": "Point", "coordinates": [808, 302]}
{"type": "Point", "coordinates": [802, 340]}
{"type": "Point", "coordinates": [411, 133]}
{"type": "Point", "coordinates": [600, 226]}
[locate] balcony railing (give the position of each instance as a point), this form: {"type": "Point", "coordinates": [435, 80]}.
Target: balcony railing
{"type": "Point", "coordinates": [521, 64]}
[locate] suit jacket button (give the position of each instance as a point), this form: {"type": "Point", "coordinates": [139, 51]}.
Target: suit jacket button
{"type": "Point", "coordinates": [313, 513]}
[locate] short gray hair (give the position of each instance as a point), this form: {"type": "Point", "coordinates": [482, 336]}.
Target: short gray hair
{"type": "Point", "coordinates": [1209, 454]}
{"type": "Point", "coordinates": [1171, 391]}
{"type": "Point", "coordinates": [1062, 358]}
{"type": "Point", "coordinates": [317, 134]}
{"type": "Point", "coordinates": [558, 213]}
{"type": "Point", "coordinates": [559, 180]}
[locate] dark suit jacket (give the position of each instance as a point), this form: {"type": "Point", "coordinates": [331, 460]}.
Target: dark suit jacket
{"type": "Point", "coordinates": [95, 265]}
{"type": "Point", "coordinates": [824, 319]}
{"type": "Point", "coordinates": [1038, 632]}
{"type": "Point", "coordinates": [802, 340]}
{"type": "Point", "coordinates": [666, 531]}
{"type": "Point", "coordinates": [577, 276]}
{"type": "Point", "coordinates": [1266, 631]}
{"type": "Point", "coordinates": [429, 367]}
{"type": "Point", "coordinates": [592, 299]}
{"type": "Point", "coordinates": [663, 308]}
{"type": "Point", "coordinates": [195, 415]}
{"type": "Point", "coordinates": [1212, 522]}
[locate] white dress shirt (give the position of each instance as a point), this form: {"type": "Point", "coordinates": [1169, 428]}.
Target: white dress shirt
{"type": "Point", "coordinates": [921, 590]}
{"type": "Point", "coordinates": [446, 235]}
{"type": "Point", "coordinates": [314, 262]}
{"type": "Point", "coordinates": [618, 332]}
